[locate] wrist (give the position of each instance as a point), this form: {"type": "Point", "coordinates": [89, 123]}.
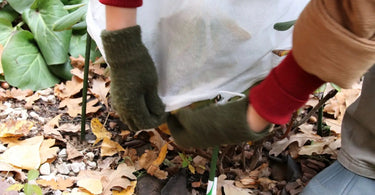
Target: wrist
{"type": "Point", "coordinates": [118, 17]}
{"type": "Point", "coordinates": [255, 121]}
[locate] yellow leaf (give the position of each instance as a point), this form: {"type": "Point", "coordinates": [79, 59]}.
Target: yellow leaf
{"type": "Point", "coordinates": [109, 147]}
{"type": "Point", "coordinates": [25, 155]}
{"type": "Point", "coordinates": [191, 169]}
{"type": "Point", "coordinates": [59, 184]}
{"type": "Point", "coordinates": [164, 128]}
{"type": "Point", "coordinates": [46, 152]}
{"type": "Point", "coordinates": [92, 185]}
{"type": "Point", "coordinates": [162, 155]}
{"type": "Point", "coordinates": [99, 131]}
{"type": "Point", "coordinates": [128, 191]}
{"type": "Point", "coordinates": [14, 128]}
{"type": "Point", "coordinates": [15, 187]}
{"type": "Point", "coordinates": [154, 167]}
{"type": "Point", "coordinates": [119, 178]}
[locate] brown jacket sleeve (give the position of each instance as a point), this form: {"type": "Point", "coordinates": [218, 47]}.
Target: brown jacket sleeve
{"type": "Point", "coordinates": [335, 39]}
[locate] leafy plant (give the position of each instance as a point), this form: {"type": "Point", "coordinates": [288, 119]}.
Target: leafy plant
{"type": "Point", "coordinates": [186, 162]}
{"type": "Point", "coordinates": [29, 188]}
{"type": "Point", "coordinates": [38, 37]}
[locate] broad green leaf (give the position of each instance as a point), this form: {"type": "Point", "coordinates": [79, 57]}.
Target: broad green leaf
{"type": "Point", "coordinates": [283, 26]}
{"type": "Point", "coordinates": [67, 21]}
{"type": "Point", "coordinates": [321, 89]}
{"type": "Point", "coordinates": [8, 13]}
{"type": "Point", "coordinates": [31, 189]}
{"type": "Point", "coordinates": [24, 66]}
{"type": "Point", "coordinates": [32, 174]}
{"type": "Point", "coordinates": [75, 6]}
{"type": "Point", "coordinates": [54, 45]}
{"type": "Point", "coordinates": [6, 30]}
{"type": "Point", "coordinates": [62, 70]}
{"type": "Point", "coordinates": [78, 47]}
{"type": "Point", "coordinates": [20, 5]}
{"type": "Point", "coordinates": [80, 26]}
{"type": "Point", "coordinates": [335, 86]}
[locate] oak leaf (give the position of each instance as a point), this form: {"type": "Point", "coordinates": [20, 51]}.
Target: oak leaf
{"type": "Point", "coordinates": [56, 184]}
{"type": "Point", "coordinates": [72, 152]}
{"type": "Point", "coordinates": [99, 131]}
{"type": "Point", "coordinates": [92, 185]}
{"type": "Point", "coordinates": [47, 152]}
{"type": "Point", "coordinates": [77, 73]}
{"type": "Point", "coordinates": [109, 147]}
{"type": "Point", "coordinates": [100, 90]}
{"type": "Point", "coordinates": [69, 89]}
{"type": "Point", "coordinates": [128, 191]}
{"type": "Point", "coordinates": [119, 178]}
{"type": "Point", "coordinates": [78, 62]}
{"type": "Point", "coordinates": [14, 128]}
{"type": "Point", "coordinates": [25, 154]}
{"type": "Point", "coordinates": [75, 108]}
{"type": "Point", "coordinates": [19, 94]}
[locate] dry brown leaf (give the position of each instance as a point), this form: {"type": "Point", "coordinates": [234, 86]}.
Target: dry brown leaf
{"type": "Point", "coordinates": [99, 130]}
{"type": "Point", "coordinates": [77, 73]}
{"type": "Point", "coordinates": [14, 128]}
{"type": "Point", "coordinates": [200, 164]}
{"type": "Point", "coordinates": [69, 89]}
{"type": "Point", "coordinates": [74, 107]}
{"type": "Point", "coordinates": [77, 62]}
{"type": "Point", "coordinates": [19, 94]}
{"type": "Point", "coordinates": [55, 121]}
{"type": "Point", "coordinates": [47, 152]}
{"type": "Point", "coordinates": [30, 100]}
{"type": "Point", "coordinates": [124, 134]}
{"type": "Point", "coordinates": [146, 159]}
{"type": "Point", "coordinates": [100, 90]}
{"type": "Point", "coordinates": [92, 185]}
{"type": "Point", "coordinates": [119, 178]}
{"type": "Point", "coordinates": [59, 184]}
{"type": "Point", "coordinates": [9, 168]}
{"type": "Point", "coordinates": [97, 69]}
{"type": "Point", "coordinates": [154, 169]}
{"type": "Point", "coordinates": [164, 128]}
{"type": "Point", "coordinates": [25, 155]}
{"type": "Point", "coordinates": [72, 152]}
{"type": "Point", "coordinates": [128, 191]}
{"type": "Point", "coordinates": [109, 147]}
{"type": "Point", "coordinates": [69, 127]}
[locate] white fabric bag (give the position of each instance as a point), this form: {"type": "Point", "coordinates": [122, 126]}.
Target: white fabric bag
{"type": "Point", "coordinates": [203, 47]}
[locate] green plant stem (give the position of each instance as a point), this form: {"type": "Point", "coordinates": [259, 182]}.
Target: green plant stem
{"type": "Point", "coordinates": [215, 154]}
{"type": "Point", "coordinates": [320, 121]}
{"type": "Point", "coordinates": [85, 83]}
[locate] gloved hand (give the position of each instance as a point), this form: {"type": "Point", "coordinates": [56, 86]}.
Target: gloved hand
{"type": "Point", "coordinates": [213, 125]}
{"type": "Point", "coordinates": [133, 79]}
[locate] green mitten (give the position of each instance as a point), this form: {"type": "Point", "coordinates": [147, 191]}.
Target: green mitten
{"type": "Point", "coordinates": [133, 79]}
{"type": "Point", "coordinates": [213, 125]}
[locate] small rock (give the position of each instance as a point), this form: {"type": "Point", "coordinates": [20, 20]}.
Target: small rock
{"type": "Point", "coordinates": [63, 168]}
{"type": "Point", "coordinates": [2, 148]}
{"type": "Point", "coordinates": [57, 192]}
{"type": "Point", "coordinates": [10, 180]}
{"type": "Point", "coordinates": [90, 156]}
{"type": "Point", "coordinates": [49, 99]}
{"type": "Point", "coordinates": [45, 169]}
{"type": "Point", "coordinates": [36, 116]}
{"type": "Point", "coordinates": [62, 153]}
{"type": "Point", "coordinates": [91, 164]}
{"type": "Point", "coordinates": [77, 166]}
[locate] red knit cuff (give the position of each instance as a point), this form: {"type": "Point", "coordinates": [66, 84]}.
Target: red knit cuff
{"type": "Point", "coordinates": [284, 90]}
{"type": "Point", "coordinates": [123, 3]}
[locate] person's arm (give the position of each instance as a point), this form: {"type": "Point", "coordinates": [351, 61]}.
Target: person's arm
{"type": "Point", "coordinates": [333, 41]}
{"type": "Point", "coordinates": [120, 17]}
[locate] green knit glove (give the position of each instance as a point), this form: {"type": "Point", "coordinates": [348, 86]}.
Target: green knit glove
{"type": "Point", "coordinates": [213, 125]}
{"type": "Point", "coordinates": [133, 79]}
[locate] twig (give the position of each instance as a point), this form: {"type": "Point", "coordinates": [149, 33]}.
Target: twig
{"type": "Point", "coordinates": [294, 116]}
{"type": "Point", "coordinates": [321, 102]}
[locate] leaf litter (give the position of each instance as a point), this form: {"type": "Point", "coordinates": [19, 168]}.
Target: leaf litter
{"type": "Point", "coordinates": [114, 160]}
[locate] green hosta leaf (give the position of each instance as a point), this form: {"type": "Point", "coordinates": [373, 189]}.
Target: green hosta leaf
{"type": "Point", "coordinates": [67, 21]}
{"type": "Point", "coordinates": [54, 45]}
{"type": "Point", "coordinates": [335, 86]}
{"type": "Point", "coordinates": [24, 66]}
{"type": "Point", "coordinates": [80, 26]}
{"type": "Point", "coordinates": [282, 26]}
{"type": "Point", "coordinates": [20, 5]}
{"type": "Point", "coordinates": [62, 71]}
{"type": "Point", "coordinates": [32, 174]}
{"type": "Point", "coordinates": [8, 13]}
{"type": "Point", "coordinates": [78, 47]}
{"type": "Point", "coordinates": [6, 30]}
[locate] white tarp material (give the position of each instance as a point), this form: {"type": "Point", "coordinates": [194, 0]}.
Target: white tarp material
{"type": "Point", "coordinates": [202, 47]}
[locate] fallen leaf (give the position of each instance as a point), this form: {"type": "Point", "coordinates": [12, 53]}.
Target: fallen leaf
{"type": "Point", "coordinates": [100, 90]}
{"type": "Point", "coordinates": [230, 189]}
{"type": "Point", "coordinates": [9, 168]}
{"type": "Point", "coordinates": [25, 155]}
{"type": "Point", "coordinates": [94, 186]}
{"type": "Point", "coordinates": [97, 69]}
{"type": "Point", "coordinates": [74, 107]}
{"type": "Point", "coordinates": [14, 128]}
{"type": "Point", "coordinates": [154, 169]}
{"type": "Point", "coordinates": [164, 128]}
{"type": "Point", "coordinates": [146, 159]}
{"type": "Point", "coordinates": [30, 100]}
{"type": "Point", "coordinates": [99, 131]}
{"type": "Point", "coordinates": [72, 152]}
{"type": "Point", "coordinates": [47, 152]}
{"type": "Point", "coordinates": [19, 94]}
{"type": "Point", "coordinates": [55, 121]}
{"type": "Point", "coordinates": [128, 191]}
{"type": "Point", "coordinates": [119, 178]}
{"type": "Point", "coordinates": [69, 127]}
{"type": "Point", "coordinates": [78, 62]}
{"type": "Point", "coordinates": [77, 73]}
{"type": "Point", "coordinates": [5, 187]}
{"type": "Point", "coordinates": [59, 184]}
{"type": "Point", "coordinates": [109, 147]}
{"type": "Point", "coordinates": [69, 89]}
